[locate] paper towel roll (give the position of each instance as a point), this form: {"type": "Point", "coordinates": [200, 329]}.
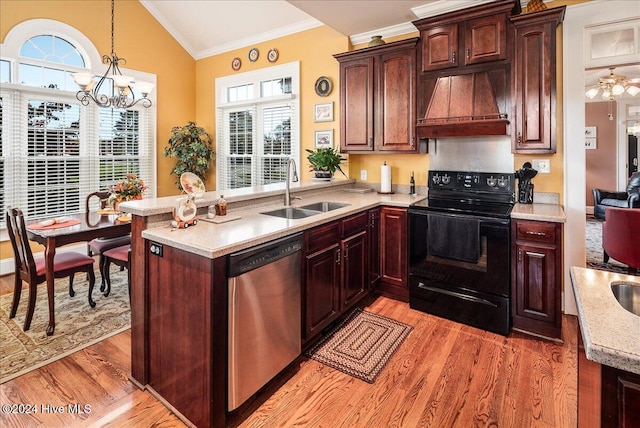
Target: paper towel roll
{"type": "Point", "coordinates": [385, 178]}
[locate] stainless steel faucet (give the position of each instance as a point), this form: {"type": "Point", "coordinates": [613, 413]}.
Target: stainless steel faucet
{"type": "Point", "coordinates": [287, 191]}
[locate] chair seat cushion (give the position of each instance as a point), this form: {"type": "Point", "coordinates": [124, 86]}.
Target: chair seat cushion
{"type": "Point", "coordinates": [63, 261]}
{"type": "Point", "coordinates": [100, 245]}
{"type": "Point", "coordinates": [119, 253]}
{"type": "Point", "coordinates": [620, 203]}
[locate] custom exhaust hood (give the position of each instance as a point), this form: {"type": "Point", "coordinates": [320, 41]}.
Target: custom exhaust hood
{"type": "Point", "coordinates": [475, 103]}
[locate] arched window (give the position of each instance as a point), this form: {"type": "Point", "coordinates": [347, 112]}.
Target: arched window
{"type": "Point", "coordinates": [55, 151]}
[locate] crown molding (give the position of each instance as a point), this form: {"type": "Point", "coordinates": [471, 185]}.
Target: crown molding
{"type": "Point", "coordinates": [394, 30]}
{"type": "Point", "coordinates": [169, 27]}
{"type": "Point", "coordinates": [444, 6]}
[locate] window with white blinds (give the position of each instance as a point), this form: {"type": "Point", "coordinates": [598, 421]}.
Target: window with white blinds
{"type": "Point", "coordinates": [55, 151]}
{"type": "Point", "coordinates": [257, 132]}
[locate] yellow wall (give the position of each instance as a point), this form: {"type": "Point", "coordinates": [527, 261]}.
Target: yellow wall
{"type": "Point", "coordinates": [313, 48]}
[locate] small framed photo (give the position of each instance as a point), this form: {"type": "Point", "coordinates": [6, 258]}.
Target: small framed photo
{"type": "Point", "coordinates": [590, 143]}
{"type": "Point", "coordinates": [590, 132]}
{"type": "Point", "coordinates": [323, 112]}
{"type": "Point", "coordinates": [324, 139]}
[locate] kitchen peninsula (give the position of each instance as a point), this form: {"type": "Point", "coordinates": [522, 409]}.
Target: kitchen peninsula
{"type": "Point", "coordinates": [179, 280]}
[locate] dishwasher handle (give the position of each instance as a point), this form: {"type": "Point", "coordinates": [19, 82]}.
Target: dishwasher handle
{"type": "Point", "coordinates": [252, 258]}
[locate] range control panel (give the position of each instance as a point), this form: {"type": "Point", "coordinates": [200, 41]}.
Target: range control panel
{"type": "Point", "coordinates": [498, 182]}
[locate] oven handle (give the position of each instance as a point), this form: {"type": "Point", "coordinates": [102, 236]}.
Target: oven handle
{"type": "Point", "coordinates": [456, 294]}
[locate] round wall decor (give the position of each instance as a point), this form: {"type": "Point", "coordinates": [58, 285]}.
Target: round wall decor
{"type": "Point", "coordinates": [272, 55]}
{"type": "Point", "coordinates": [253, 55]}
{"type": "Point", "coordinates": [236, 64]}
{"type": "Point", "coordinates": [323, 86]}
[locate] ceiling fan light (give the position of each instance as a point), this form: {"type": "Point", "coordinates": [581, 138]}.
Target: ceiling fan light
{"type": "Point", "coordinates": [617, 89]}
{"type": "Point", "coordinates": [591, 93]}
{"type": "Point", "coordinates": [606, 94]}
{"type": "Point", "coordinates": [633, 90]}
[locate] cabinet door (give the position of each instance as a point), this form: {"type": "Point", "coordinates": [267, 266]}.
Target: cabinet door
{"type": "Point", "coordinates": [396, 108]}
{"type": "Point", "coordinates": [357, 104]}
{"type": "Point", "coordinates": [485, 39]}
{"type": "Point", "coordinates": [535, 84]}
{"type": "Point", "coordinates": [440, 47]}
{"type": "Point", "coordinates": [355, 277]}
{"type": "Point", "coordinates": [322, 288]}
{"type": "Point", "coordinates": [374, 247]}
{"type": "Point", "coordinates": [393, 243]}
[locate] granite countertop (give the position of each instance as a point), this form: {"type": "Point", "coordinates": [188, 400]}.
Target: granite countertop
{"type": "Point", "coordinates": [539, 211]}
{"type": "Point", "coordinates": [611, 334]}
{"type": "Point", "coordinates": [252, 228]}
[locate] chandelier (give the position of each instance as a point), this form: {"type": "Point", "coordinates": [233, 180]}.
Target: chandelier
{"type": "Point", "coordinates": [119, 91]}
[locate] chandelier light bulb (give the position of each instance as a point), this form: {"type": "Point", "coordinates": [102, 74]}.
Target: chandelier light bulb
{"type": "Point", "coordinates": [82, 79]}
{"type": "Point", "coordinates": [633, 90]}
{"type": "Point", "coordinates": [145, 87]}
{"type": "Point", "coordinates": [120, 81]}
{"type": "Point", "coordinates": [606, 94]}
{"type": "Point", "coordinates": [591, 93]}
{"type": "Point", "coordinates": [617, 89]}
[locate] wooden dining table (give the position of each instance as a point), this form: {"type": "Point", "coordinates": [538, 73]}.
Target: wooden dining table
{"type": "Point", "coordinates": [92, 225]}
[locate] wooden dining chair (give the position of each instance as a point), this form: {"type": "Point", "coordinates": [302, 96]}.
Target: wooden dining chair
{"type": "Point", "coordinates": [120, 256]}
{"type": "Point", "coordinates": [32, 270]}
{"type": "Point", "coordinates": [99, 245]}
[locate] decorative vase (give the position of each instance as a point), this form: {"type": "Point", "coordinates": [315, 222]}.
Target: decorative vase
{"type": "Point", "coordinates": [376, 41]}
{"type": "Point", "coordinates": [322, 175]}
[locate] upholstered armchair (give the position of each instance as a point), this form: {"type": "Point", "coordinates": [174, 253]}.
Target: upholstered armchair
{"type": "Point", "coordinates": [608, 198]}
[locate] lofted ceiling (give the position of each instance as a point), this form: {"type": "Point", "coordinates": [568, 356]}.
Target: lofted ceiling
{"type": "Point", "coordinates": [210, 27]}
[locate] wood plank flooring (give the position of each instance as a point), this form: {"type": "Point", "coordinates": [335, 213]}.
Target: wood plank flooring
{"type": "Point", "coordinates": [444, 375]}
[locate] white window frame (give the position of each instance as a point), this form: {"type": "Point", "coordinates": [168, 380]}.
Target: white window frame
{"type": "Point", "coordinates": [15, 98]}
{"type": "Point", "coordinates": [256, 104]}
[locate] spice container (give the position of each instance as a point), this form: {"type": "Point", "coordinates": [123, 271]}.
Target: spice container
{"type": "Point", "coordinates": [221, 206]}
{"type": "Point", "coordinates": [211, 211]}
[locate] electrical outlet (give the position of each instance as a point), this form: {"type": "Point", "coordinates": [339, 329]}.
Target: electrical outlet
{"type": "Point", "coordinates": [543, 166]}
{"type": "Point", "coordinates": [363, 174]}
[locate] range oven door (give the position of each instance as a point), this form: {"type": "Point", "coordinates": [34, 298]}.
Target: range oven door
{"type": "Point", "coordinates": [471, 292]}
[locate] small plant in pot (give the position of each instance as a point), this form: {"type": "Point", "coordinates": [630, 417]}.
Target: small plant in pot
{"type": "Point", "coordinates": [191, 146]}
{"type": "Point", "coordinates": [324, 162]}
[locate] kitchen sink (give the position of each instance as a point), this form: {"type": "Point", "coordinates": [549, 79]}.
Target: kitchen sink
{"type": "Point", "coordinates": [291, 213]}
{"type": "Point", "coordinates": [324, 206]}
{"type": "Point", "coordinates": [628, 295]}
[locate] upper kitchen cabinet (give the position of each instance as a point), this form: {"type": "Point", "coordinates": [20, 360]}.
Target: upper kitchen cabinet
{"type": "Point", "coordinates": [377, 98]}
{"type": "Point", "coordinates": [483, 39]}
{"type": "Point", "coordinates": [534, 81]}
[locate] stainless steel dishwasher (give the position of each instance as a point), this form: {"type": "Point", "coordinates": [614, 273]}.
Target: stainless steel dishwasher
{"type": "Point", "coordinates": [264, 315]}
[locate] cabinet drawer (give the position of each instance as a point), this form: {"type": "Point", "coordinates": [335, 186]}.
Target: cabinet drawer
{"type": "Point", "coordinates": [535, 231]}
{"type": "Point", "coordinates": [354, 224]}
{"type": "Point", "coordinates": [322, 237]}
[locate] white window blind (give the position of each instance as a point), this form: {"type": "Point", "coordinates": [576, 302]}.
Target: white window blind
{"type": "Point", "coordinates": [257, 133]}
{"type": "Point", "coordinates": [54, 151]}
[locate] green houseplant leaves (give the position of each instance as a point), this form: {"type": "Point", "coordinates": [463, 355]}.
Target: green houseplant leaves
{"type": "Point", "coordinates": [192, 147]}
{"type": "Point", "coordinates": [325, 159]}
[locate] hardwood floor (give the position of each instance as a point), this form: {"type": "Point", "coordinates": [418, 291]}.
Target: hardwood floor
{"type": "Point", "coordinates": [444, 375]}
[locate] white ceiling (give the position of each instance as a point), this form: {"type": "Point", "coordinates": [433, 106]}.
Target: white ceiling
{"type": "Point", "coordinates": [210, 27]}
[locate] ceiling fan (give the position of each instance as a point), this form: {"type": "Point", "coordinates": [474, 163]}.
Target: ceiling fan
{"type": "Point", "coordinates": [614, 85]}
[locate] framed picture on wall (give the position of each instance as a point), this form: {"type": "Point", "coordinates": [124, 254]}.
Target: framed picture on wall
{"type": "Point", "coordinates": [590, 143]}
{"type": "Point", "coordinates": [590, 132]}
{"type": "Point", "coordinates": [324, 139]}
{"type": "Point", "coordinates": [323, 112]}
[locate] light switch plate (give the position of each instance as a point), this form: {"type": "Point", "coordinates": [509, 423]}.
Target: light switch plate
{"type": "Point", "coordinates": [363, 174]}
{"type": "Point", "coordinates": [543, 166]}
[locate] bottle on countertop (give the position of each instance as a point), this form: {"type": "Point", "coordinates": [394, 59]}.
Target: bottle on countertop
{"type": "Point", "coordinates": [221, 206]}
{"type": "Point", "coordinates": [412, 185]}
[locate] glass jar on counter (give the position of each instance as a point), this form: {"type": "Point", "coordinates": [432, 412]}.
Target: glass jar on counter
{"type": "Point", "coordinates": [221, 206]}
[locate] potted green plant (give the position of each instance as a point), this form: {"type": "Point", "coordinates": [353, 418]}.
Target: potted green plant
{"type": "Point", "coordinates": [192, 147]}
{"type": "Point", "coordinates": [324, 162]}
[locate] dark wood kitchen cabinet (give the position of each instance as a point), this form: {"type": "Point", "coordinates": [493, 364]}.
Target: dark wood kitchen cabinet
{"type": "Point", "coordinates": [377, 98]}
{"type": "Point", "coordinates": [374, 247]}
{"type": "Point", "coordinates": [534, 81]}
{"type": "Point", "coordinates": [469, 42]}
{"type": "Point", "coordinates": [394, 225]}
{"type": "Point", "coordinates": [536, 278]}
{"type": "Point", "coordinates": [336, 270]}
{"type": "Point", "coordinates": [187, 332]}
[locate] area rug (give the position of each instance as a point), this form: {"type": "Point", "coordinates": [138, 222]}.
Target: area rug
{"type": "Point", "coordinates": [361, 345]}
{"type": "Point", "coordinates": [77, 324]}
{"type": "Point", "coordinates": [595, 253]}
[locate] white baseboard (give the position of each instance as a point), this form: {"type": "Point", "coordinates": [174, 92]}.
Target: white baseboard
{"type": "Point", "coordinates": [7, 266]}
{"type": "Point", "coordinates": [590, 210]}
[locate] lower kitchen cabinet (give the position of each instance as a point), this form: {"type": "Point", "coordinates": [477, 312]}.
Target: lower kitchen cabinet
{"type": "Point", "coordinates": [336, 270]}
{"type": "Point", "coordinates": [187, 332]}
{"type": "Point", "coordinates": [394, 252]}
{"type": "Point", "coordinates": [536, 278]}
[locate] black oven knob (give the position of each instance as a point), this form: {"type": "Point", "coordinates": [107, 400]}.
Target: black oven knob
{"type": "Point", "coordinates": [446, 179]}
{"type": "Point", "coordinates": [502, 182]}
{"type": "Point", "coordinates": [491, 182]}
{"type": "Point", "coordinates": [436, 179]}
